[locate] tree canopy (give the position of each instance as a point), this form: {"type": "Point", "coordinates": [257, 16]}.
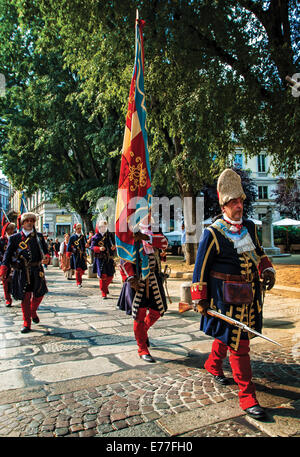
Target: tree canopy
{"type": "Point", "coordinates": [214, 78]}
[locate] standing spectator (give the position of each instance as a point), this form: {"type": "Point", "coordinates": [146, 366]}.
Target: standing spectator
{"type": "Point", "coordinates": [56, 246]}
{"type": "Point", "coordinates": [183, 241]}
{"type": "Point", "coordinates": [64, 259]}
{"type": "Point", "coordinates": [88, 246]}
{"type": "Point", "coordinates": [51, 247]}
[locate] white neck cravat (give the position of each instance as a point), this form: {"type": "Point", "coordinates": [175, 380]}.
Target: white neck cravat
{"type": "Point", "coordinates": [231, 221]}
{"type": "Point", "coordinates": [26, 233]}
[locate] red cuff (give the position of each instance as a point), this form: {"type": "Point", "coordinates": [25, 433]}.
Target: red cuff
{"type": "Point", "coordinates": [263, 264]}
{"type": "Point", "coordinates": [199, 291]}
{"type": "Point", "coordinates": [127, 269]}
{"type": "Point", "coordinates": [159, 242]}
{"type": "Point", "coordinates": [69, 254]}
{"type": "Point", "coordinates": [96, 249]}
{"type": "Point", "coordinates": [123, 275]}
{"type": "Point", "coordinates": [3, 270]}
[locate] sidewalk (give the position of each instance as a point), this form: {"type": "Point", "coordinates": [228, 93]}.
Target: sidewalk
{"type": "Point", "coordinates": [78, 374]}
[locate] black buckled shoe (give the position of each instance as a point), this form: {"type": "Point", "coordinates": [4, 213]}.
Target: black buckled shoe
{"type": "Point", "coordinates": [256, 411]}
{"type": "Point", "coordinates": [148, 358]}
{"type": "Point", "coordinates": [36, 320]}
{"type": "Point", "coordinates": [25, 330]}
{"type": "Point", "coordinates": [221, 380]}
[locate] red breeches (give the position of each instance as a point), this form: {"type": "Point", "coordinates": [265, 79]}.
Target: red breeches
{"type": "Point", "coordinates": [104, 283]}
{"type": "Point", "coordinates": [29, 307]}
{"type": "Point", "coordinates": [78, 274]}
{"type": "Point", "coordinates": [7, 295]}
{"type": "Point", "coordinates": [241, 369]}
{"type": "Point", "coordinates": [141, 325]}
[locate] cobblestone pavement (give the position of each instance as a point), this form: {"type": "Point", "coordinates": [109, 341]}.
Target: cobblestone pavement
{"type": "Point", "coordinates": [78, 374]}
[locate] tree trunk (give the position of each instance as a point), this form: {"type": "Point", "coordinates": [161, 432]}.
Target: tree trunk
{"type": "Point", "coordinates": [87, 222]}
{"type": "Point", "coordinates": [190, 220]}
{"type": "Point", "coordinates": [83, 211]}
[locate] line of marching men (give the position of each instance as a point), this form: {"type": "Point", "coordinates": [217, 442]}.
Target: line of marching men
{"type": "Point", "coordinates": [23, 256]}
{"type": "Point", "coordinates": [230, 275]}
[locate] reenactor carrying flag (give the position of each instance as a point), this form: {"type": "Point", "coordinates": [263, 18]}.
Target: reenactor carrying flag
{"type": "Point", "coordinates": [144, 298]}
{"type": "Point", "coordinates": [142, 288]}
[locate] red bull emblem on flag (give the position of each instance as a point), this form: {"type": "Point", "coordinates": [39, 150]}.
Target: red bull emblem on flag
{"type": "Point", "coordinates": [134, 190]}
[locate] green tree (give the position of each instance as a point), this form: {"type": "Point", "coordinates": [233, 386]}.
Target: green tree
{"type": "Point", "coordinates": [48, 142]}
{"type": "Point", "coordinates": [287, 198]}
{"type": "Point", "coordinates": [213, 69]}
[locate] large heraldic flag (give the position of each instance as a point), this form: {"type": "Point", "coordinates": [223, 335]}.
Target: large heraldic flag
{"type": "Point", "coordinates": [134, 190]}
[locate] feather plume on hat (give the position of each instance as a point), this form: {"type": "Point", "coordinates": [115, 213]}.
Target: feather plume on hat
{"type": "Point", "coordinates": [229, 186]}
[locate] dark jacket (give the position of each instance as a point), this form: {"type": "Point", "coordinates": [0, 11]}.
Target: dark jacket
{"type": "Point", "coordinates": [25, 254]}
{"type": "Point", "coordinates": [103, 260]}
{"type": "Point", "coordinates": [76, 247]}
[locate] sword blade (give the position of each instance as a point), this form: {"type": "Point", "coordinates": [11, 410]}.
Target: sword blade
{"type": "Point", "coordinates": [232, 321]}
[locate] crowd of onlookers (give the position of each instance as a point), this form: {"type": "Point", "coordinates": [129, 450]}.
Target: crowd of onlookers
{"type": "Point", "coordinates": [58, 249]}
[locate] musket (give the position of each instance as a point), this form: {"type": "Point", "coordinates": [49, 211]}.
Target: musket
{"type": "Point", "coordinates": [238, 324]}
{"type": "Point", "coordinates": [186, 307]}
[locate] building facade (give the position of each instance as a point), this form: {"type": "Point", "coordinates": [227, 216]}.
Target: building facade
{"type": "Point", "coordinates": [51, 219]}
{"type": "Point", "coordinates": [263, 174]}
{"type": "Point", "coordinates": [4, 196]}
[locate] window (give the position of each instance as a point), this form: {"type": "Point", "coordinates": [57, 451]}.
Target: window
{"type": "Point", "coordinates": [261, 163]}
{"type": "Point", "coordinates": [62, 229]}
{"type": "Point", "coordinates": [238, 160]}
{"type": "Point", "coordinates": [262, 192]}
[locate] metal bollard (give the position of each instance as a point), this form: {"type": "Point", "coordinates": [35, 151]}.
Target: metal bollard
{"type": "Point", "coordinates": [90, 272]}
{"type": "Point", "coordinates": [55, 262]}
{"type": "Point", "coordinates": [185, 293]}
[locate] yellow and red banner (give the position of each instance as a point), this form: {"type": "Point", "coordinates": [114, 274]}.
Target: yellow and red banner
{"type": "Point", "coordinates": [134, 190]}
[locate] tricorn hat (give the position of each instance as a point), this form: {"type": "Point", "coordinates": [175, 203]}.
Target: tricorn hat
{"type": "Point", "coordinates": [229, 186]}
{"type": "Point", "coordinates": [25, 216]}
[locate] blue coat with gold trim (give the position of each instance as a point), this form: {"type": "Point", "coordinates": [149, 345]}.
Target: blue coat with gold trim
{"type": "Point", "coordinates": [235, 253]}
{"type": "Point", "coordinates": [76, 247]}
{"type": "Point", "coordinates": [103, 261]}
{"type": "Point", "coordinates": [25, 254]}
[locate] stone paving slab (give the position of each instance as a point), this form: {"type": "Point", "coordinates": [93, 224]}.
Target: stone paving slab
{"type": "Point", "coordinates": [238, 427]}
{"type": "Point", "coordinates": [187, 421]}
{"type": "Point", "coordinates": [78, 373]}
{"type": "Point", "coordinates": [284, 420]}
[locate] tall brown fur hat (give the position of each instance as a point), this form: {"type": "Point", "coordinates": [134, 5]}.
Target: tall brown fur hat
{"type": "Point", "coordinates": [25, 216]}
{"type": "Point", "coordinates": [229, 186]}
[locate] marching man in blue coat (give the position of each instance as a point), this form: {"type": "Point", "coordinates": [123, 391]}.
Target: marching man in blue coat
{"type": "Point", "coordinates": [26, 252]}
{"type": "Point", "coordinates": [230, 272]}
{"type": "Point", "coordinates": [76, 251]}
{"type": "Point", "coordinates": [103, 246]}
